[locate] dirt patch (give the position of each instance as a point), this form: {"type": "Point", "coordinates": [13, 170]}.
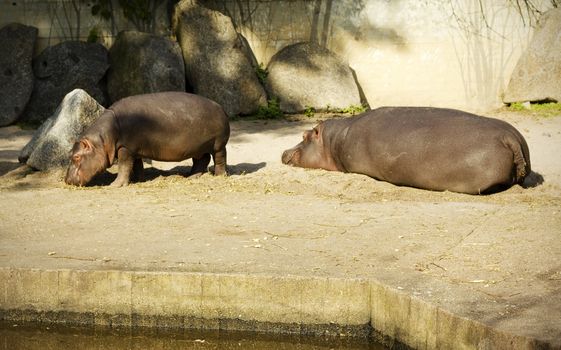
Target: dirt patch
{"type": "Point", "coordinates": [263, 199]}
{"type": "Point", "coordinates": [254, 167]}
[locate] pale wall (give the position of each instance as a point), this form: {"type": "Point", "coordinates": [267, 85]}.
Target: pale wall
{"type": "Point", "coordinates": [404, 52]}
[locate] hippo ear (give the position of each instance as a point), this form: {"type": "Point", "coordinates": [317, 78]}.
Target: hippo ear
{"type": "Point", "coordinates": [86, 145]}
{"type": "Point", "coordinates": [317, 130]}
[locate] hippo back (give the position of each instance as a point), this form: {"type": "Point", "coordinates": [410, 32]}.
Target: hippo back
{"type": "Point", "coordinates": [433, 148]}
{"type": "Point", "coordinates": [169, 126]}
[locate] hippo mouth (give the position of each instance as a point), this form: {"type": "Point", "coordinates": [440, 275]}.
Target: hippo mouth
{"type": "Point", "coordinates": [73, 177]}
{"type": "Point", "coordinates": [287, 156]}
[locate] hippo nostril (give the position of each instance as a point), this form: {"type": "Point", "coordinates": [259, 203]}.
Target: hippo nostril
{"type": "Point", "coordinates": [287, 156]}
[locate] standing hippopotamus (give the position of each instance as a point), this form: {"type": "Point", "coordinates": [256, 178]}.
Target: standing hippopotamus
{"type": "Point", "coordinates": [165, 126]}
{"type": "Point", "coordinates": [431, 148]}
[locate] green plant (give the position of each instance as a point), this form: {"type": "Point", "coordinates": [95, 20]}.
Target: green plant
{"type": "Point", "coordinates": [517, 106]}
{"type": "Point", "coordinates": [548, 109]}
{"type": "Point", "coordinates": [272, 111]}
{"type": "Point", "coordinates": [353, 109]}
{"type": "Point", "coordinates": [93, 35]}
{"type": "Point", "coordinates": [261, 73]}
{"type": "Point", "coordinates": [309, 111]}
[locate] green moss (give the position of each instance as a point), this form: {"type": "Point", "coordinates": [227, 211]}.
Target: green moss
{"type": "Point", "coordinates": [546, 110]}
{"type": "Point", "coordinates": [551, 108]}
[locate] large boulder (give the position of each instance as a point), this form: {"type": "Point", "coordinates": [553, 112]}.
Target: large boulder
{"type": "Point", "coordinates": [217, 59]}
{"type": "Point", "coordinates": [142, 63]}
{"type": "Point", "coordinates": [51, 144]}
{"type": "Point", "coordinates": [307, 75]}
{"type": "Point", "coordinates": [62, 68]}
{"type": "Point", "coordinates": [537, 75]}
{"type": "Point", "coordinates": [16, 72]}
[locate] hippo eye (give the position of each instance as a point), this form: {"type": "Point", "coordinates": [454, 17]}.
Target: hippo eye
{"type": "Point", "coordinates": [76, 158]}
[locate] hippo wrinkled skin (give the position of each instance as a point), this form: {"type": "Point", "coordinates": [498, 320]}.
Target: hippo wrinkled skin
{"type": "Point", "coordinates": [165, 126]}
{"type": "Point", "coordinates": [429, 148]}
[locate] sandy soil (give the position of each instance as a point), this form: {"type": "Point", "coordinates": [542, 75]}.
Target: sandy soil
{"type": "Point", "coordinates": [261, 197]}
{"type": "Point", "coordinates": [254, 165]}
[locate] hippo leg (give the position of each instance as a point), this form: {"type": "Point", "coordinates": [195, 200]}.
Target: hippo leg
{"type": "Point", "coordinates": [126, 165]}
{"type": "Point", "coordinates": [200, 165]}
{"type": "Point", "coordinates": [138, 170]}
{"type": "Point", "coordinates": [220, 162]}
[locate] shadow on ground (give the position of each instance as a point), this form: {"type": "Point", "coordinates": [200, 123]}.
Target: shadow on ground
{"type": "Point", "coordinates": [151, 173]}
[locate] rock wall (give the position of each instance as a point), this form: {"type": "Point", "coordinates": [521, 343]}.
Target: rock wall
{"type": "Point", "coordinates": [443, 53]}
{"type": "Point", "coordinates": [144, 63]}
{"type": "Point", "coordinates": [16, 77]}
{"type": "Point", "coordinates": [537, 76]}
{"type": "Point", "coordinates": [216, 64]}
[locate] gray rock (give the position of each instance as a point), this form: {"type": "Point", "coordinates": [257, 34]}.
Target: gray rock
{"type": "Point", "coordinates": [217, 59]}
{"type": "Point", "coordinates": [143, 63]}
{"type": "Point", "coordinates": [51, 144]}
{"type": "Point", "coordinates": [307, 75]}
{"type": "Point", "coordinates": [16, 72]}
{"type": "Point", "coordinates": [62, 68]}
{"type": "Point", "coordinates": [537, 75]}
{"type": "Point", "coordinates": [37, 135]}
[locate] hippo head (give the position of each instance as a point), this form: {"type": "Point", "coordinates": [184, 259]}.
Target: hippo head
{"type": "Point", "coordinates": [88, 159]}
{"type": "Point", "coordinates": [311, 152]}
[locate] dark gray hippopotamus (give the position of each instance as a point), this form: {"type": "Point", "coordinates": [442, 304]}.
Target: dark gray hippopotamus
{"type": "Point", "coordinates": [165, 126]}
{"type": "Point", "coordinates": [430, 148]}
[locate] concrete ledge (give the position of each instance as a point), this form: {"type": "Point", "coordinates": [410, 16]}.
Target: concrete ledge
{"type": "Point", "coordinates": [397, 316]}
{"type": "Point", "coordinates": [187, 300]}
{"type": "Point", "coordinates": [291, 304]}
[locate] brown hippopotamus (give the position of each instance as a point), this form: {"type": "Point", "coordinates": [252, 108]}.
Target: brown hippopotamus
{"type": "Point", "coordinates": [164, 126]}
{"type": "Point", "coordinates": [430, 148]}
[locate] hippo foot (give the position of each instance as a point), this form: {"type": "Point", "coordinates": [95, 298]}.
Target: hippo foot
{"type": "Point", "coordinates": [220, 170]}
{"type": "Point", "coordinates": [119, 182]}
{"type": "Point", "coordinates": [221, 173]}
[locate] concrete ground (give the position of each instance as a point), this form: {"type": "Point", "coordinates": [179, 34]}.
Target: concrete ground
{"type": "Point", "coordinates": [281, 249]}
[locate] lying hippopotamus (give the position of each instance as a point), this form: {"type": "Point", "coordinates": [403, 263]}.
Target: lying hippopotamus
{"type": "Point", "coordinates": [430, 148]}
{"type": "Point", "coordinates": [165, 126]}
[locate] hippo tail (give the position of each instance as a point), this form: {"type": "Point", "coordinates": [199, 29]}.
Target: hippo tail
{"type": "Point", "coordinates": [521, 157]}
